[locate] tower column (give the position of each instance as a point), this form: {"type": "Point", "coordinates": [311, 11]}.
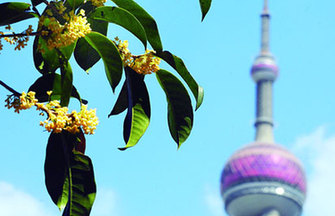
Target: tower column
{"type": "Point", "coordinates": [264, 122]}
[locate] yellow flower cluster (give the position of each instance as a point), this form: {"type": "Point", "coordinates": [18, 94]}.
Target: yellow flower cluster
{"type": "Point", "coordinates": [143, 64]}
{"type": "Point", "coordinates": [58, 117]}
{"type": "Point", "coordinates": [25, 101]}
{"type": "Point", "coordinates": [146, 63]}
{"type": "Point", "coordinates": [19, 41]}
{"type": "Point", "coordinates": [98, 3]}
{"type": "Point", "coordinates": [58, 35]}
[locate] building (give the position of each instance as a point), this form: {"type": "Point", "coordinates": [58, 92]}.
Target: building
{"type": "Point", "coordinates": [263, 178]}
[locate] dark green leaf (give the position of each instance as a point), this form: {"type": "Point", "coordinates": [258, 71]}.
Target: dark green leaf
{"type": "Point", "coordinates": [84, 53]}
{"type": "Point", "coordinates": [74, 3]}
{"type": "Point", "coordinates": [55, 169]}
{"type": "Point", "coordinates": [123, 18]}
{"type": "Point", "coordinates": [51, 82]}
{"type": "Point", "coordinates": [145, 19]}
{"type": "Point", "coordinates": [69, 175]}
{"type": "Point", "coordinates": [180, 67]}
{"type": "Point", "coordinates": [180, 112]}
{"type": "Point", "coordinates": [13, 12]}
{"type": "Point", "coordinates": [138, 115]}
{"type": "Point", "coordinates": [121, 102]}
{"type": "Point", "coordinates": [80, 145]}
{"type": "Point", "coordinates": [204, 5]}
{"type": "Point", "coordinates": [36, 2]}
{"type": "Point", "coordinates": [110, 56]}
{"type": "Point", "coordinates": [66, 83]}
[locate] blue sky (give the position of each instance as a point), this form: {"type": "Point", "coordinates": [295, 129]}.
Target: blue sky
{"type": "Point", "coordinates": [153, 178]}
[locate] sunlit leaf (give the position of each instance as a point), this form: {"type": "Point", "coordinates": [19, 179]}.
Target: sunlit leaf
{"type": "Point", "coordinates": [180, 112]}
{"type": "Point", "coordinates": [205, 5]}
{"type": "Point", "coordinates": [138, 115]}
{"type": "Point", "coordinates": [123, 18]}
{"type": "Point", "coordinates": [47, 60]}
{"type": "Point", "coordinates": [82, 187]}
{"type": "Point", "coordinates": [84, 53]}
{"type": "Point", "coordinates": [178, 64]}
{"type": "Point", "coordinates": [110, 56]}
{"type": "Point", "coordinates": [51, 82]}
{"type": "Point", "coordinates": [12, 12]}
{"type": "Point", "coordinates": [121, 102]}
{"type": "Point", "coordinates": [149, 24]}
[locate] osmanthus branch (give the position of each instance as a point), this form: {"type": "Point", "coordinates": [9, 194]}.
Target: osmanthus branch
{"type": "Point", "coordinates": [10, 89]}
{"type": "Point", "coordinates": [19, 35]}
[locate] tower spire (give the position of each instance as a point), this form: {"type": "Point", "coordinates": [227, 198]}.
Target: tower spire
{"type": "Point", "coordinates": [265, 16]}
{"type": "Point", "coordinates": [264, 72]}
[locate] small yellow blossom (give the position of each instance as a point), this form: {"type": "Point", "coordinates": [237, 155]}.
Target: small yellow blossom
{"type": "Point", "coordinates": [143, 64]}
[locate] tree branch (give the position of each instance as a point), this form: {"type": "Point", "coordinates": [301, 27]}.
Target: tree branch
{"type": "Point", "coordinates": [10, 89]}
{"type": "Point", "coordinates": [19, 35]}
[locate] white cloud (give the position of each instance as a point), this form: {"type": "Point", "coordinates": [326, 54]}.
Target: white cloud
{"type": "Point", "coordinates": [317, 152]}
{"type": "Point", "coordinates": [105, 203]}
{"type": "Point", "coordinates": [14, 202]}
{"type": "Point", "coordinates": [214, 201]}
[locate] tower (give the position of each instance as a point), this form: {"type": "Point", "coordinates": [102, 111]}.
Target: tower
{"type": "Point", "coordinates": [263, 178]}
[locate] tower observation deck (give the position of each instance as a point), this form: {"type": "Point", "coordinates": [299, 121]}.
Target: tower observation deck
{"type": "Point", "coordinates": [263, 178]}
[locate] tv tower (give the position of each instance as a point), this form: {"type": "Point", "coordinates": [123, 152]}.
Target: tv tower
{"type": "Point", "coordinates": [263, 178]}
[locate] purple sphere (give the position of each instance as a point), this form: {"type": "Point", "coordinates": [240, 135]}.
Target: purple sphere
{"type": "Point", "coordinates": [259, 162]}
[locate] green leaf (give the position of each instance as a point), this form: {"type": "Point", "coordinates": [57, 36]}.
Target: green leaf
{"type": "Point", "coordinates": [110, 56]}
{"type": "Point", "coordinates": [84, 53]}
{"type": "Point", "coordinates": [66, 83]}
{"type": "Point", "coordinates": [204, 5]}
{"type": "Point", "coordinates": [46, 60]}
{"type": "Point", "coordinates": [69, 175]}
{"type": "Point", "coordinates": [138, 115]}
{"type": "Point", "coordinates": [180, 112]}
{"type": "Point", "coordinates": [51, 82]}
{"type": "Point", "coordinates": [149, 24]}
{"type": "Point", "coordinates": [13, 12]}
{"type": "Point", "coordinates": [74, 3]}
{"type": "Point", "coordinates": [123, 18]}
{"type": "Point", "coordinates": [121, 102]}
{"type": "Point", "coordinates": [82, 188]}
{"type": "Point", "coordinates": [178, 64]}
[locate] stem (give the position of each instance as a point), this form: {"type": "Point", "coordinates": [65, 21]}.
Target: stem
{"type": "Point", "coordinates": [10, 89]}
{"type": "Point", "coordinates": [36, 11]}
{"type": "Point", "coordinates": [19, 35]}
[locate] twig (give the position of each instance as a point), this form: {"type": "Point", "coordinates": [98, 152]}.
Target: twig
{"type": "Point", "coordinates": [10, 89]}
{"type": "Point", "coordinates": [19, 35]}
